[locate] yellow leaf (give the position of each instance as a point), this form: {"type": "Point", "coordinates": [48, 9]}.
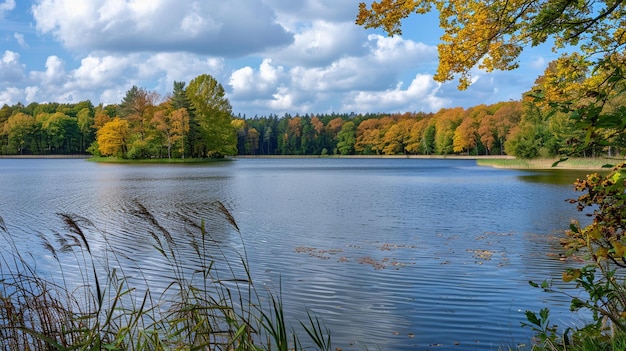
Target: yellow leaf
{"type": "Point", "coordinates": [593, 232]}
{"type": "Point", "coordinates": [602, 252]}
{"type": "Point", "coordinates": [618, 248]}
{"type": "Point", "coordinates": [570, 275]}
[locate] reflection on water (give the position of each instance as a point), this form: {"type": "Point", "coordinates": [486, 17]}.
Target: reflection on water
{"type": "Point", "coordinates": [556, 176]}
{"type": "Point", "coordinates": [392, 253]}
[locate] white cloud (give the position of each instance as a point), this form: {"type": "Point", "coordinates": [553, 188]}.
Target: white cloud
{"type": "Point", "coordinates": [399, 51]}
{"type": "Point", "coordinates": [20, 40]}
{"type": "Point", "coordinates": [273, 56]}
{"type": "Point", "coordinates": [283, 100]}
{"type": "Point", "coordinates": [369, 77]}
{"type": "Point", "coordinates": [420, 95]}
{"type": "Point", "coordinates": [330, 10]}
{"type": "Point", "coordinates": [11, 70]}
{"type": "Point", "coordinates": [10, 95]}
{"type": "Point", "coordinates": [99, 72]}
{"type": "Point", "coordinates": [246, 83]}
{"type": "Point", "coordinates": [31, 94]}
{"type": "Point", "coordinates": [236, 27]}
{"type": "Point", "coordinates": [54, 73]}
{"type": "Point", "coordinates": [6, 6]}
{"type": "Point", "coordinates": [321, 43]}
{"type": "Point", "coordinates": [179, 66]}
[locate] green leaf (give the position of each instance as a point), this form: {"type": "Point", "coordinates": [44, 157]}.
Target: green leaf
{"type": "Point", "coordinates": [532, 318]}
{"type": "Point", "coordinates": [576, 304]}
{"type": "Point", "coordinates": [563, 159]}
{"type": "Point", "coordinates": [543, 313]}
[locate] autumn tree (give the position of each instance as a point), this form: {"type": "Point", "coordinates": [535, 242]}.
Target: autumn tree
{"type": "Point", "coordinates": [137, 107]}
{"type": "Point", "coordinates": [464, 137]}
{"type": "Point", "coordinates": [172, 125]}
{"type": "Point", "coordinates": [368, 136]}
{"type": "Point", "coordinates": [492, 35]}
{"type": "Point", "coordinates": [252, 141]}
{"type": "Point", "coordinates": [112, 138]}
{"type": "Point", "coordinates": [446, 122]}
{"type": "Point", "coordinates": [506, 116]}
{"type": "Point", "coordinates": [213, 113]}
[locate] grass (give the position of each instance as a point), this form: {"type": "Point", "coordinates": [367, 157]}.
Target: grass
{"type": "Point", "coordinates": [208, 304]}
{"type": "Point", "coordinates": [616, 342]}
{"type": "Point", "coordinates": [545, 163]}
{"type": "Point", "coordinates": [111, 159]}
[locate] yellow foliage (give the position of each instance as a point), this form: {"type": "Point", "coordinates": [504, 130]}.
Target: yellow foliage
{"type": "Point", "coordinates": [492, 34]}
{"type": "Point", "coordinates": [618, 249]}
{"type": "Point", "coordinates": [112, 137]}
{"type": "Point", "coordinates": [571, 274]}
{"type": "Point", "coordinates": [601, 253]}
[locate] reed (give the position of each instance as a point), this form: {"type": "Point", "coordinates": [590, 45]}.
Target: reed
{"type": "Point", "coordinates": [208, 303]}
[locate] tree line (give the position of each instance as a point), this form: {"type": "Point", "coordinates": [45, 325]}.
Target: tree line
{"type": "Point", "coordinates": [197, 121]}
{"type": "Point", "coordinates": [194, 120]}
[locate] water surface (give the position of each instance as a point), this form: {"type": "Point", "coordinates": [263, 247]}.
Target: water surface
{"type": "Point", "coordinates": [397, 254]}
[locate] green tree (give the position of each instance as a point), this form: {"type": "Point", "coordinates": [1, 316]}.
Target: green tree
{"type": "Point", "coordinates": [252, 141]}
{"type": "Point", "coordinates": [61, 132]}
{"type": "Point", "coordinates": [346, 138]}
{"type": "Point", "coordinates": [19, 130]}
{"type": "Point", "coordinates": [213, 114]}
{"type": "Point", "coordinates": [85, 120]}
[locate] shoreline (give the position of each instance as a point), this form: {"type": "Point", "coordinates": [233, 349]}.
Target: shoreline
{"type": "Point", "coordinates": [573, 164]}
{"type": "Point", "coordinates": [495, 161]}
{"type": "Point", "coordinates": [435, 157]}
{"type": "Point", "coordinates": [45, 156]}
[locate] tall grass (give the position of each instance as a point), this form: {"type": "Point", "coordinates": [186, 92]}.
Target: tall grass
{"type": "Point", "coordinates": [208, 302]}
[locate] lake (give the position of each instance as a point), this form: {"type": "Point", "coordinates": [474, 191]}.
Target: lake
{"type": "Point", "coordinates": [393, 254]}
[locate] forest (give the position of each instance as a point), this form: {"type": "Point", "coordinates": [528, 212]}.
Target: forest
{"type": "Point", "coordinates": [196, 121]}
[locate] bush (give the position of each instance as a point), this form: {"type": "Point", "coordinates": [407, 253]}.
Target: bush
{"type": "Point", "coordinates": [602, 247]}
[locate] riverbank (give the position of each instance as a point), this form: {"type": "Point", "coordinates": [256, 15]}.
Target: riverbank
{"type": "Point", "coordinates": [181, 161]}
{"type": "Point", "coordinates": [438, 157]}
{"type": "Point", "coordinates": [82, 156]}
{"type": "Point", "coordinates": [597, 164]}
{"type": "Point", "coordinates": [496, 161]}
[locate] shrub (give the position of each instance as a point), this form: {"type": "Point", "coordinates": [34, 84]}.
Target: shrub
{"type": "Point", "coordinates": [602, 246]}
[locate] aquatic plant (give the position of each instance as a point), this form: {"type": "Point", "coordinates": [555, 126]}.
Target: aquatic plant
{"type": "Point", "coordinates": [96, 302]}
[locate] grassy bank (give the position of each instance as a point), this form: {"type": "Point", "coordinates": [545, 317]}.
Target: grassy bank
{"type": "Point", "coordinates": [547, 163]}
{"type": "Point", "coordinates": [159, 160]}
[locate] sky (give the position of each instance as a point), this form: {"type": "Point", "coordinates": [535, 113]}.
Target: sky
{"type": "Point", "coordinates": [271, 56]}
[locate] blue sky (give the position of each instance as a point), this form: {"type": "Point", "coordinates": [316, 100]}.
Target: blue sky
{"type": "Point", "coordinates": [271, 56]}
